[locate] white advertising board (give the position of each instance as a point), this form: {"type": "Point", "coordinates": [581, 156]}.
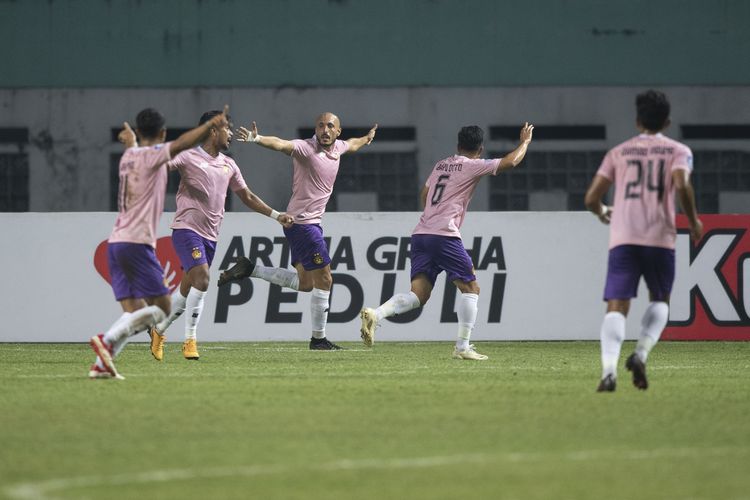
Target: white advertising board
{"type": "Point", "coordinates": [541, 277]}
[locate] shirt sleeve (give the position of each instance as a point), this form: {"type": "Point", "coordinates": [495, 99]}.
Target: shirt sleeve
{"type": "Point", "coordinates": [176, 162]}
{"type": "Point", "coordinates": [607, 168]}
{"type": "Point", "coordinates": [489, 167]}
{"type": "Point", "coordinates": [301, 148]}
{"type": "Point", "coordinates": [237, 182]}
{"type": "Point", "coordinates": [343, 146]}
{"type": "Point", "coordinates": [683, 159]}
{"type": "Point", "coordinates": [161, 155]}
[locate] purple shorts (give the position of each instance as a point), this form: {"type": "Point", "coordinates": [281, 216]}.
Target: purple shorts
{"type": "Point", "coordinates": [431, 254]}
{"type": "Point", "coordinates": [307, 246]}
{"type": "Point", "coordinates": [192, 248]}
{"type": "Point", "coordinates": [134, 271]}
{"type": "Point", "coordinates": [627, 263]}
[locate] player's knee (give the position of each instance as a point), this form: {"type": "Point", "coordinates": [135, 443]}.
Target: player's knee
{"type": "Point", "coordinates": [324, 283]}
{"type": "Point", "coordinates": [323, 280]}
{"type": "Point", "coordinates": [423, 296]}
{"type": "Point", "coordinates": [199, 279]}
{"type": "Point", "coordinates": [165, 304]}
{"type": "Point", "coordinates": [467, 286]}
{"type": "Point", "coordinates": [201, 284]}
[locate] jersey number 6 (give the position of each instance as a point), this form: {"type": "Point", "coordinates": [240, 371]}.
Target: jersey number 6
{"type": "Point", "coordinates": [439, 187]}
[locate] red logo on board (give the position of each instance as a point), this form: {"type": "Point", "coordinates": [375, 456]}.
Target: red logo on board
{"type": "Point", "coordinates": [165, 253]}
{"type": "Point", "coordinates": [711, 296]}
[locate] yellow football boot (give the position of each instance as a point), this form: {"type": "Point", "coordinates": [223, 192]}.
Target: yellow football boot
{"type": "Point", "coordinates": [190, 349]}
{"type": "Point", "coordinates": [157, 343]}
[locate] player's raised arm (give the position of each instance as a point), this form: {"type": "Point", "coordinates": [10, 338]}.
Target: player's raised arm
{"type": "Point", "coordinates": [267, 141]}
{"type": "Point", "coordinates": [127, 136]}
{"type": "Point", "coordinates": [199, 134]}
{"type": "Point", "coordinates": [686, 196]}
{"type": "Point", "coordinates": [356, 143]}
{"type": "Point", "coordinates": [593, 200]}
{"type": "Point", "coordinates": [253, 201]}
{"type": "Point", "coordinates": [514, 157]}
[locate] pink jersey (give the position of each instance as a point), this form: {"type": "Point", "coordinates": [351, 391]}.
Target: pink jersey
{"type": "Point", "coordinates": [450, 188]}
{"type": "Point", "coordinates": [315, 171]}
{"type": "Point", "coordinates": [203, 190]}
{"type": "Point", "coordinates": [644, 205]}
{"type": "Point", "coordinates": [143, 181]}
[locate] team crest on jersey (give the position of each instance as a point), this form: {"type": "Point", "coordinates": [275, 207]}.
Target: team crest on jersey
{"type": "Point", "coordinates": [226, 169]}
{"type": "Point", "coordinates": [197, 254]}
{"type": "Point", "coordinates": [317, 259]}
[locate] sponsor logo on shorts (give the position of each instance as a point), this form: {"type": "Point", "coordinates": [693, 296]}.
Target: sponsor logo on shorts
{"type": "Point", "coordinates": [197, 254]}
{"type": "Point", "coordinates": [317, 259]}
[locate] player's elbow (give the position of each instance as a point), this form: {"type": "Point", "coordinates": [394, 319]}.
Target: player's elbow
{"type": "Point", "coordinates": [505, 164]}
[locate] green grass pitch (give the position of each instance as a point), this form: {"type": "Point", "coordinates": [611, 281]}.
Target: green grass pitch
{"type": "Point", "coordinates": [399, 421]}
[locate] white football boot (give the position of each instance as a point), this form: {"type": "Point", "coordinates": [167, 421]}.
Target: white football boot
{"type": "Point", "coordinates": [468, 353]}
{"type": "Point", "coordinates": [369, 324]}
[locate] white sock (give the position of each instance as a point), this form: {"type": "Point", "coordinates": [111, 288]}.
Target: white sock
{"type": "Point", "coordinates": [319, 312]}
{"type": "Point", "coordinates": [194, 307]}
{"type": "Point", "coordinates": [277, 276]}
{"type": "Point", "coordinates": [654, 320]}
{"type": "Point", "coordinates": [612, 336]}
{"type": "Point", "coordinates": [467, 316]}
{"type": "Point", "coordinates": [136, 322]}
{"type": "Point", "coordinates": [118, 346]}
{"type": "Point", "coordinates": [398, 304]}
{"type": "Point", "coordinates": [178, 307]}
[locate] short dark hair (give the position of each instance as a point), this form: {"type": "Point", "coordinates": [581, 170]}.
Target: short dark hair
{"type": "Point", "coordinates": [149, 123]}
{"type": "Point", "coordinates": [470, 138]}
{"type": "Point", "coordinates": [210, 114]}
{"type": "Point", "coordinates": [652, 108]}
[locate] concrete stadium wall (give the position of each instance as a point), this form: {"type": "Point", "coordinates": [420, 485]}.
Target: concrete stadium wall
{"type": "Point", "coordinates": [70, 141]}
{"type": "Point", "coordinates": [541, 277]}
{"type": "Point", "coordinates": [276, 43]}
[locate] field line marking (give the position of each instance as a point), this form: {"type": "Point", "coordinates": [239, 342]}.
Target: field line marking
{"type": "Point", "coordinates": [42, 490]}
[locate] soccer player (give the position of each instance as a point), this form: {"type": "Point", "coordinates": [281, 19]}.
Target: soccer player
{"type": "Point", "coordinates": [205, 174]}
{"type": "Point", "coordinates": [646, 170]}
{"type": "Point", "coordinates": [137, 277]}
{"type": "Point", "coordinates": [316, 164]}
{"type": "Point", "coordinates": [436, 244]}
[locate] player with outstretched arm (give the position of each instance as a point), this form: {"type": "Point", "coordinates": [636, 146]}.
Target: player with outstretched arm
{"type": "Point", "coordinates": [206, 174]}
{"type": "Point", "coordinates": [436, 244]}
{"type": "Point", "coordinates": [316, 164]}
{"type": "Point", "coordinates": [136, 275]}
